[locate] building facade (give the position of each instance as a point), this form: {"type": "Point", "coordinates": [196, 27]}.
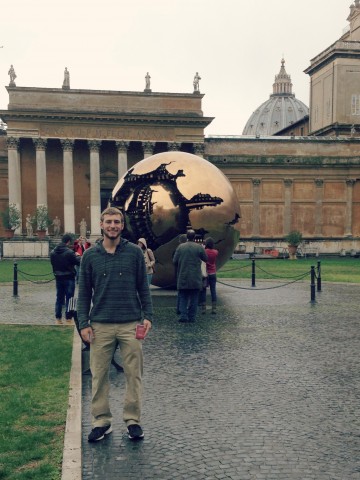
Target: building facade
{"type": "Point", "coordinates": [67, 149]}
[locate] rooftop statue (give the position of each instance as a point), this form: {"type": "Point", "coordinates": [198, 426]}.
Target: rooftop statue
{"type": "Point", "coordinates": [197, 78]}
{"type": "Point", "coordinates": [66, 82]}
{"type": "Point", "coordinates": [12, 74]}
{"type": "Point", "coordinates": [147, 83]}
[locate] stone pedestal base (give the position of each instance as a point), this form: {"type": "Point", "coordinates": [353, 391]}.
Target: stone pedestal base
{"type": "Point", "coordinates": [25, 249]}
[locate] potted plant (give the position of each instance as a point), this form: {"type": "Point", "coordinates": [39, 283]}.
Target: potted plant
{"type": "Point", "coordinates": [42, 220]}
{"type": "Point", "coordinates": [293, 240]}
{"type": "Point", "coordinates": [11, 219]}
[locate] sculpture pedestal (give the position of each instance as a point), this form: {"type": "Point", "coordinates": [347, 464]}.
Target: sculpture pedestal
{"type": "Point", "coordinates": [25, 249]}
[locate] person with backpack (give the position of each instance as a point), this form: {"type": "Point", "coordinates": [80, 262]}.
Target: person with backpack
{"type": "Point", "coordinates": [64, 260]}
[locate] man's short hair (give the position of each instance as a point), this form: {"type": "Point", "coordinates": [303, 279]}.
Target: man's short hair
{"type": "Point", "coordinates": [209, 243]}
{"type": "Point", "coordinates": [66, 238]}
{"type": "Point", "coordinates": [190, 235]}
{"type": "Point", "coordinates": [111, 211]}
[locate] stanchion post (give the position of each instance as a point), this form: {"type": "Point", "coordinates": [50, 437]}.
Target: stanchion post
{"type": "Point", "coordinates": [312, 286]}
{"type": "Point", "coordinates": [15, 281]}
{"type": "Point", "coordinates": [318, 276]}
{"type": "Point", "coordinates": [253, 273]}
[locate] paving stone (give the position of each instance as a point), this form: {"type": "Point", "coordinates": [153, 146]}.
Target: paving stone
{"type": "Point", "coordinates": [266, 389]}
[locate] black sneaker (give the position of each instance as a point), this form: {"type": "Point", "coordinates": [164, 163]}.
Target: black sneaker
{"type": "Point", "coordinates": [135, 432]}
{"type": "Point", "coordinates": [98, 433]}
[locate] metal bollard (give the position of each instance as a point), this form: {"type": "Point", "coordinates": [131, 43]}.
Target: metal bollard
{"type": "Point", "coordinates": [15, 281]}
{"type": "Point", "coordinates": [319, 276]}
{"type": "Point", "coordinates": [253, 273]}
{"type": "Point", "coordinates": [312, 286]}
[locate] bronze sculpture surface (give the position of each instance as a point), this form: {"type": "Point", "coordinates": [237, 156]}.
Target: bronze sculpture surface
{"type": "Point", "coordinates": [164, 195]}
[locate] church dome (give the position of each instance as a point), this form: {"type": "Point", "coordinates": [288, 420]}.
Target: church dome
{"type": "Point", "coordinates": [281, 110]}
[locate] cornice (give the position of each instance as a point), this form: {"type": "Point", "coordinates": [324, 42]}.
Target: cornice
{"type": "Point", "coordinates": [339, 49]}
{"type": "Point", "coordinates": [280, 139]}
{"type": "Point", "coordinates": [105, 92]}
{"type": "Point", "coordinates": [116, 118]}
{"type": "Point", "coordinates": [280, 161]}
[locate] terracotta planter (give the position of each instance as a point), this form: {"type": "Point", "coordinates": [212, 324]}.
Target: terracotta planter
{"type": "Point", "coordinates": [9, 233]}
{"type": "Point", "coordinates": [292, 251]}
{"type": "Point", "coordinates": [41, 234]}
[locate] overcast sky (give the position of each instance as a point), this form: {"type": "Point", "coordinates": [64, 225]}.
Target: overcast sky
{"type": "Point", "coordinates": [235, 45]}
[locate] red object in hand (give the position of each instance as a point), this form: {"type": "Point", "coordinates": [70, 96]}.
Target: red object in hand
{"type": "Point", "coordinates": [140, 332]}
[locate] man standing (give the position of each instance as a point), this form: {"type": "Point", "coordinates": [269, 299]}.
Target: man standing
{"type": "Point", "coordinates": [63, 261]}
{"type": "Point", "coordinates": [187, 260]}
{"type": "Point", "coordinates": [113, 297]}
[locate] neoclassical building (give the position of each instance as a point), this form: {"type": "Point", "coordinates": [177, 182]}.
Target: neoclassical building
{"type": "Point", "coordinates": [67, 148]}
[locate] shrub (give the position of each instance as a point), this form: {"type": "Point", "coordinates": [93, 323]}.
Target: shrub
{"type": "Point", "coordinates": [42, 219]}
{"type": "Point", "coordinates": [293, 238]}
{"type": "Point", "coordinates": [11, 217]}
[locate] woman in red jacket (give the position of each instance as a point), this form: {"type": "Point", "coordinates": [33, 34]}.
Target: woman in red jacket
{"type": "Point", "coordinates": [80, 245]}
{"type": "Point", "coordinates": [212, 254]}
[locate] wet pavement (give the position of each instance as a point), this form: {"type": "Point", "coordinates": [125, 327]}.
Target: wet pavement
{"type": "Point", "coordinates": [266, 389]}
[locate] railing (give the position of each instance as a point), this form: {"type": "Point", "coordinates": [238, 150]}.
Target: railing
{"type": "Point", "coordinates": [25, 275]}
{"type": "Point", "coordinates": [315, 279]}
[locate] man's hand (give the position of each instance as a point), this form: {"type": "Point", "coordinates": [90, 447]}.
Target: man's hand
{"type": "Point", "coordinates": [147, 325]}
{"type": "Point", "coordinates": [87, 334]}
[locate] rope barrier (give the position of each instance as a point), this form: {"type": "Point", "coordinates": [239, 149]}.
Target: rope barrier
{"type": "Point", "coordinates": [281, 276]}
{"type": "Point", "coordinates": [297, 278]}
{"type": "Point", "coordinates": [34, 281]}
{"type": "Point", "coordinates": [236, 268]}
{"type": "Point", "coordinates": [36, 275]}
{"type": "Point", "coordinates": [265, 288]}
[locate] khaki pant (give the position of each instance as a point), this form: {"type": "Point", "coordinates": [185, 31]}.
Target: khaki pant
{"type": "Point", "coordinates": [107, 335]}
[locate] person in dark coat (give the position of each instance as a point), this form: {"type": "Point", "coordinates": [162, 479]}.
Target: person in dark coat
{"type": "Point", "coordinates": [187, 260]}
{"type": "Point", "coordinates": [63, 260]}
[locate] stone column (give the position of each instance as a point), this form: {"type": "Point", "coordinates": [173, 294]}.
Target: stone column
{"type": "Point", "coordinates": [287, 205]}
{"type": "Point", "coordinates": [14, 173]}
{"type": "Point", "coordinates": [122, 148]}
{"type": "Point", "coordinates": [349, 204]}
{"type": "Point", "coordinates": [148, 148]}
{"type": "Point", "coordinates": [41, 183]}
{"type": "Point", "coordinates": [69, 200]}
{"type": "Point", "coordinates": [174, 146]}
{"type": "Point", "coordinates": [256, 207]}
{"type": "Point", "coordinates": [199, 149]}
{"type": "Point", "coordinates": [95, 201]}
{"type": "Point", "coordinates": [318, 205]}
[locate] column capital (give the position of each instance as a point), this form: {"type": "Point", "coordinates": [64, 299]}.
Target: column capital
{"type": "Point", "coordinates": [122, 146]}
{"type": "Point", "coordinates": [148, 147]}
{"type": "Point", "coordinates": [319, 182]}
{"type": "Point", "coordinates": [288, 182]}
{"type": "Point", "coordinates": [350, 182]}
{"type": "Point", "coordinates": [174, 146]}
{"type": "Point", "coordinates": [40, 143]}
{"type": "Point", "coordinates": [67, 145]}
{"type": "Point", "coordinates": [13, 143]}
{"type": "Point", "coordinates": [199, 148]}
{"type": "Point", "coordinates": [94, 145]}
{"type": "Point", "coordinates": [256, 182]}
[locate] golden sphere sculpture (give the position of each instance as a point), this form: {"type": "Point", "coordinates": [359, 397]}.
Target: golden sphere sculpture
{"type": "Point", "coordinates": [164, 195]}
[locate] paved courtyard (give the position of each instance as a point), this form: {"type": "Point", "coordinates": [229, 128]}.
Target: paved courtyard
{"type": "Point", "coordinates": [266, 389]}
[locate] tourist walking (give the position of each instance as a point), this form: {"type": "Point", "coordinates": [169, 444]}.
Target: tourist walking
{"type": "Point", "coordinates": [64, 260]}
{"type": "Point", "coordinates": [113, 298]}
{"type": "Point", "coordinates": [187, 260]}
